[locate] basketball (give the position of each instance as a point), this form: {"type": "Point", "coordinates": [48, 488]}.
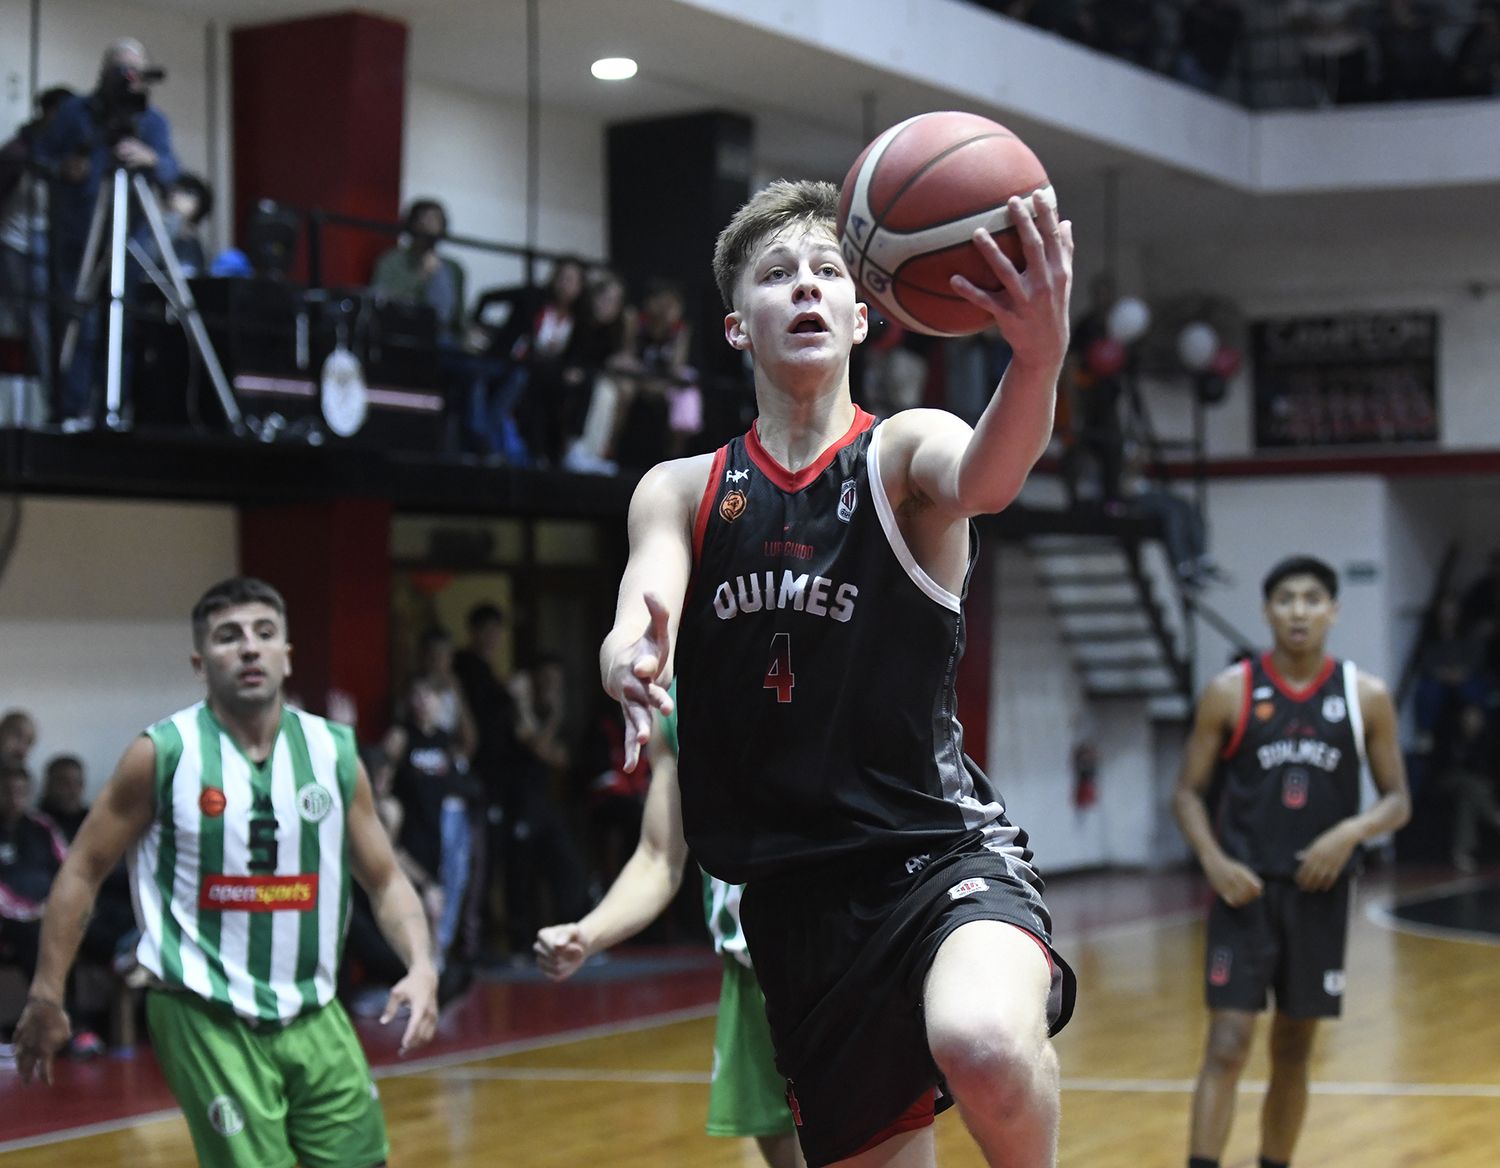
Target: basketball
{"type": "Point", "coordinates": [909, 208]}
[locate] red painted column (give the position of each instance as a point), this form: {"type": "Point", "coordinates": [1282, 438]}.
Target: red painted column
{"type": "Point", "coordinates": [318, 110]}
{"type": "Point", "coordinates": [332, 562]}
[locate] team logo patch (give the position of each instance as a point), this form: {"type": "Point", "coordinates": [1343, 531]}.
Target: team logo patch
{"type": "Point", "coordinates": [225, 1116]}
{"type": "Point", "coordinates": [1294, 790]}
{"type": "Point", "coordinates": [259, 893]}
{"type": "Point", "coordinates": [1333, 982]}
{"type": "Point", "coordinates": [736, 476]}
{"type": "Point", "coordinates": [848, 500]}
{"type": "Point", "coordinates": [1264, 710]}
{"type": "Point", "coordinates": [1334, 708]}
{"type": "Point", "coordinates": [732, 506]}
{"type": "Point", "coordinates": [212, 802]}
{"type": "Point", "coordinates": [969, 887]}
{"type": "Point", "coordinates": [915, 864]}
{"type": "Point", "coordinates": [1219, 965]}
{"type": "Point", "coordinates": [1262, 692]}
{"type": "Point", "coordinates": [314, 802]}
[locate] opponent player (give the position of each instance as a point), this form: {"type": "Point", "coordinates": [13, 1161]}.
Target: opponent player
{"type": "Point", "coordinates": [1293, 730]}
{"type": "Point", "coordinates": [244, 819]}
{"type": "Point", "coordinates": [747, 1095]}
{"type": "Point", "coordinates": [808, 579]}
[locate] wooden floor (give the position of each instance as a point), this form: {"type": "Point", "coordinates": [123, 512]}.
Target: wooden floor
{"type": "Point", "coordinates": [1409, 1077]}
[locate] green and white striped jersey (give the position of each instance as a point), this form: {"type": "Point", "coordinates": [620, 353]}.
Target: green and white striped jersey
{"type": "Point", "coordinates": [241, 883]}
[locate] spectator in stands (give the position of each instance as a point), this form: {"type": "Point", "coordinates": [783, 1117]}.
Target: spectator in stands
{"type": "Point", "coordinates": [1094, 463]}
{"type": "Point", "coordinates": [545, 353]}
{"type": "Point", "coordinates": [62, 794]}
{"type": "Point", "coordinates": [1480, 613]}
{"type": "Point", "coordinates": [1183, 531]}
{"type": "Point", "coordinates": [541, 852]}
{"type": "Point", "coordinates": [1450, 675]}
{"type": "Point", "coordinates": [189, 201]}
{"type": "Point", "coordinates": [435, 667]}
{"type": "Point", "coordinates": [17, 736]}
{"type": "Point", "coordinates": [1127, 29]}
{"type": "Point", "coordinates": [495, 756]}
{"type": "Point", "coordinates": [1208, 35]}
{"type": "Point", "coordinates": [1335, 49]}
{"type": "Point", "coordinates": [661, 405]}
{"type": "Point", "coordinates": [92, 135]}
{"type": "Point", "coordinates": [1470, 779]}
{"type": "Point", "coordinates": [1476, 65]}
{"type": "Point", "coordinates": [23, 239]}
{"type": "Point", "coordinates": [1411, 67]}
{"type": "Point", "coordinates": [413, 272]}
{"type": "Point", "coordinates": [601, 357]}
{"type": "Point", "coordinates": [432, 784]}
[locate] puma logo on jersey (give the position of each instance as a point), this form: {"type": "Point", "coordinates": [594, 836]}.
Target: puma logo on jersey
{"type": "Point", "coordinates": [804, 593]}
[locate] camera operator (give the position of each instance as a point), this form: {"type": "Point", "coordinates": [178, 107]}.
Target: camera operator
{"type": "Point", "coordinates": [91, 135]}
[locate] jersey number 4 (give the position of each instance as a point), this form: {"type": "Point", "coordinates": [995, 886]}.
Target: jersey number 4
{"type": "Point", "coordinates": [779, 675]}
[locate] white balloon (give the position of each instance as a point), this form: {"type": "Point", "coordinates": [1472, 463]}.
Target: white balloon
{"type": "Point", "coordinates": [1196, 345]}
{"type": "Point", "coordinates": [1129, 319]}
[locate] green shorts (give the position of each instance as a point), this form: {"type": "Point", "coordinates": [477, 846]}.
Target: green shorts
{"type": "Point", "coordinates": [748, 1094]}
{"type": "Point", "coordinates": [268, 1098]}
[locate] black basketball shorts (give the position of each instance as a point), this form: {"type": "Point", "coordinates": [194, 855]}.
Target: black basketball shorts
{"type": "Point", "coordinates": [1287, 942]}
{"type": "Point", "coordinates": [842, 953]}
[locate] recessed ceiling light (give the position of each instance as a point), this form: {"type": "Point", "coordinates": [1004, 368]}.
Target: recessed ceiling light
{"type": "Point", "coordinates": [613, 68]}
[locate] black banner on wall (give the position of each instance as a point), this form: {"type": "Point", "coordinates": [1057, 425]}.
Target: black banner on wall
{"type": "Point", "coordinates": [1357, 380]}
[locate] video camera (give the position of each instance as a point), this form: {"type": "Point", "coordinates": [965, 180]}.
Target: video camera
{"type": "Point", "coordinates": [121, 99]}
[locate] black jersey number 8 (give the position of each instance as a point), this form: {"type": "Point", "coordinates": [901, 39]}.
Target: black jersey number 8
{"type": "Point", "coordinates": [779, 675]}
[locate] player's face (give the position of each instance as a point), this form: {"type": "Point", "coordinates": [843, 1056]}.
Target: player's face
{"type": "Point", "coordinates": [1300, 613]}
{"type": "Point", "coordinates": [797, 303]}
{"type": "Point", "coordinates": [244, 657]}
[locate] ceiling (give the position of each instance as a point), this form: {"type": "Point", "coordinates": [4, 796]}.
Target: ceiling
{"type": "Point", "coordinates": [813, 110]}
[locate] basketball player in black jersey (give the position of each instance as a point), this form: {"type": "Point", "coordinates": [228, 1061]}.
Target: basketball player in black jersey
{"type": "Point", "coordinates": [1292, 730]}
{"type": "Point", "coordinates": [805, 582]}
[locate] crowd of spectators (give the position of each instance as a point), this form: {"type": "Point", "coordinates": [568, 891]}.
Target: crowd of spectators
{"type": "Point", "coordinates": [1345, 50]}
{"type": "Point", "coordinates": [1456, 710]}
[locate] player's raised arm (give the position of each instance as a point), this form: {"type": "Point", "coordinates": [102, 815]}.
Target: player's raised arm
{"type": "Point", "coordinates": [1216, 718]}
{"type": "Point", "coordinates": [972, 472]}
{"type": "Point", "coordinates": [635, 661]}
{"type": "Point", "coordinates": [1323, 860]}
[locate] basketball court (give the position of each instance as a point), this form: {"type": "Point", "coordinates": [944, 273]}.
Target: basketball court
{"type": "Point", "coordinates": [613, 1067]}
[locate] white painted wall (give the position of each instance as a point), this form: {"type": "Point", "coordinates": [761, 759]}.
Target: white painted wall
{"type": "Point", "coordinates": [94, 608]}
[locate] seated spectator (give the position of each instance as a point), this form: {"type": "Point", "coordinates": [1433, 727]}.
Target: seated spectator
{"type": "Point", "coordinates": [1411, 67]}
{"type": "Point", "coordinates": [661, 404]}
{"type": "Point", "coordinates": [1470, 780]}
{"type": "Point", "coordinates": [602, 356]}
{"type": "Point", "coordinates": [1208, 36]}
{"type": "Point", "coordinates": [189, 201]}
{"type": "Point", "coordinates": [62, 794]}
{"type": "Point", "coordinates": [1476, 65]}
{"type": "Point", "coordinates": [414, 273]}
{"type": "Point", "coordinates": [17, 736]}
{"type": "Point", "coordinates": [1183, 531]}
{"type": "Point", "coordinates": [1335, 49]}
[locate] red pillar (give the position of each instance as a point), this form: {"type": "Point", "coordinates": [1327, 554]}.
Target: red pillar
{"type": "Point", "coordinates": [332, 563]}
{"type": "Point", "coordinates": [318, 110]}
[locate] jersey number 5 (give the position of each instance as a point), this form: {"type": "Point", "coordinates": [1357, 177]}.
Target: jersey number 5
{"type": "Point", "coordinates": [779, 675]}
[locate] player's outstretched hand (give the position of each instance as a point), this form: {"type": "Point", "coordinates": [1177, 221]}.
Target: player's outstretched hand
{"type": "Point", "coordinates": [417, 991]}
{"type": "Point", "coordinates": [560, 951]}
{"type": "Point", "coordinates": [42, 1031]}
{"type": "Point", "coordinates": [1323, 859]}
{"type": "Point", "coordinates": [635, 680]}
{"type": "Point", "coordinates": [1236, 884]}
{"type": "Point", "coordinates": [1031, 307]}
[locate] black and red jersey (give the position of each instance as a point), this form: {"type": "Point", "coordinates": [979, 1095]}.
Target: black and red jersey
{"type": "Point", "coordinates": [1292, 768]}
{"type": "Point", "coordinates": [817, 663]}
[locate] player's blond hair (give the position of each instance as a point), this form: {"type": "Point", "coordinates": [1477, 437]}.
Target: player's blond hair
{"type": "Point", "coordinates": [783, 204]}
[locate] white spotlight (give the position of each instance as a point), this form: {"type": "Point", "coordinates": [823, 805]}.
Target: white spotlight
{"type": "Point", "coordinates": [613, 68]}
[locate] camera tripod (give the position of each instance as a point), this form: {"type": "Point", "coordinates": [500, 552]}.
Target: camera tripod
{"type": "Point", "coordinates": [112, 207]}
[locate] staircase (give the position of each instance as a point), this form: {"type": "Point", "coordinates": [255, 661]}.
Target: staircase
{"type": "Point", "coordinates": [1122, 615]}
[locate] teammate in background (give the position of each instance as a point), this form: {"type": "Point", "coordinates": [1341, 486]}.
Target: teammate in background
{"type": "Point", "coordinates": [240, 814]}
{"type": "Point", "coordinates": [1293, 731]}
{"type": "Point", "coordinates": [806, 581]}
{"type": "Point", "coordinates": [747, 1096]}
